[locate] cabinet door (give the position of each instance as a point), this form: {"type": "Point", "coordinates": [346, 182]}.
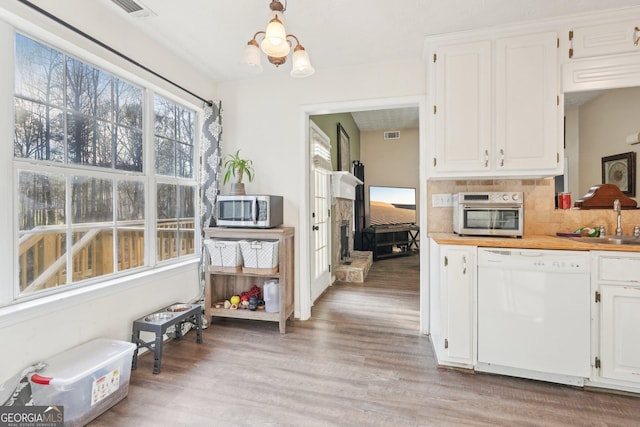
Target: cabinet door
{"type": "Point", "coordinates": [604, 39]}
{"type": "Point", "coordinates": [527, 110]}
{"type": "Point", "coordinates": [462, 107]}
{"type": "Point", "coordinates": [619, 325]}
{"type": "Point", "coordinates": [457, 284]}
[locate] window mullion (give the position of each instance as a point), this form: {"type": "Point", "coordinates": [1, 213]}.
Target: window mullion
{"type": "Point", "coordinates": [149, 143]}
{"type": "Point", "coordinates": [68, 227]}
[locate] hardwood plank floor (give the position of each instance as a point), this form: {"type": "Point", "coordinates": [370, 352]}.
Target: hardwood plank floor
{"type": "Point", "coordinates": [360, 361]}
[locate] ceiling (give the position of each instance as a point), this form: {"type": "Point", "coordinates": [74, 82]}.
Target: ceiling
{"type": "Point", "coordinates": [211, 34]}
{"type": "Point", "coordinates": [386, 120]}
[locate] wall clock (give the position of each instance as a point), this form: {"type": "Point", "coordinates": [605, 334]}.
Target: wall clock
{"type": "Point", "coordinates": [620, 170]}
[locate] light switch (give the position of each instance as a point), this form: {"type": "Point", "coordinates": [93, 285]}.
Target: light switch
{"type": "Point", "coordinates": [441, 200]}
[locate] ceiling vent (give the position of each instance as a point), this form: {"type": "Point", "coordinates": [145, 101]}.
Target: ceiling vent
{"type": "Point", "coordinates": [395, 134]}
{"type": "Point", "coordinates": [134, 8]}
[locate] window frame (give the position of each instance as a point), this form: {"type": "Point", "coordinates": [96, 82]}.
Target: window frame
{"type": "Point", "coordinates": [147, 177]}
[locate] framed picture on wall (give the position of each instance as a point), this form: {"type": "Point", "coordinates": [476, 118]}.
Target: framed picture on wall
{"type": "Point", "coordinates": [620, 170]}
{"type": "Point", "coordinates": [344, 155]}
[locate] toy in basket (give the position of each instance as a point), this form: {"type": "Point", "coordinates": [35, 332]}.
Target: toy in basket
{"type": "Point", "coordinates": [225, 255]}
{"type": "Point", "coordinates": [260, 256]}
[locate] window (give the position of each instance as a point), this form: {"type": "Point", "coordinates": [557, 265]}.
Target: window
{"type": "Point", "coordinates": [70, 112]}
{"type": "Point", "coordinates": [82, 198]}
{"type": "Point", "coordinates": [174, 136]}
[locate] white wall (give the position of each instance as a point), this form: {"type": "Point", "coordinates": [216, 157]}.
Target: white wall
{"type": "Point", "coordinates": [33, 331]}
{"type": "Point", "coordinates": [391, 162]}
{"type": "Point", "coordinates": [265, 118]}
{"type": "Point", "coordinates": [572, 152]}
{"type": "Point", "coordinates": [605, 123]}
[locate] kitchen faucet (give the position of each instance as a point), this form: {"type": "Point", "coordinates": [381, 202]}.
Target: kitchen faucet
{"type": "Point", "coordinates": [616, 208]}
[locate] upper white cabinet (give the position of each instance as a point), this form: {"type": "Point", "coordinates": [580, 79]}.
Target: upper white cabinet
{"type": "Point", "coordinates": [604, 39]}
{"type": "Point", "coordinates": [496, 107]}
{"type": "Point", "coordinates": [527, 111]}
{"type": "Point", "coordinates": [462, 110]}
{"type": "Point", "coordinates": [601, 51]}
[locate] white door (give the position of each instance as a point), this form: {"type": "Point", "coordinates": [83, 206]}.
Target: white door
{"type": "Point", "coordinates": [463, 107]}
{"type": "Point", "coordinates": [320, 203]}
{"type": "Point", "coordinates": [527, 107]}
{"type": "Point", "coordinates": [619, 322]}
{"type": "Point", "coordinates": [456, 290]}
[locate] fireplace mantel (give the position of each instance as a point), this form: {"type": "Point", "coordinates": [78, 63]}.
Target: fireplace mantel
{"type": "Point", "coordinates": [343, 185]}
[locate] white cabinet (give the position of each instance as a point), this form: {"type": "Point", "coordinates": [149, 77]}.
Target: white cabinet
{"type": "Point", "coordinates": [604, 39]}
{"type": "Point", "coordinates": [616, 320]}
{"type": "Point", "coordinates": [454, 338]}
{"type": "Point", "coordinates": [462, 110]}
{"type": "Point", "coordinates": [527, 111]}
{"type": "Point", "coordinates": [602, 52]}
{"type": "Point", "coordinates": [496, 109]}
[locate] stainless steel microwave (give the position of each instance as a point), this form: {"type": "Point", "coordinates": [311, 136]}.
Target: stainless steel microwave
{"type": "Point", "coordinates": [488, 213]}
{"type": "Point", "coordinates": [249, 211]}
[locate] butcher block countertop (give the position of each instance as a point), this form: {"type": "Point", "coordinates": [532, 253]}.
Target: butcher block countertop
{"type": "Point", "coordinates": [530, 242]}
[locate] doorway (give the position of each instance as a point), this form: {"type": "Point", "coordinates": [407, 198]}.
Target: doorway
{"type": "Point", "coordinates": [415, 102]}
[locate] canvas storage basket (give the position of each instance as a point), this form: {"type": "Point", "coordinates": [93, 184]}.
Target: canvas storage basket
{"type": "Point", "coordinates": [260, 256]}
{"type": "Point", "coordinates": [225, 255]}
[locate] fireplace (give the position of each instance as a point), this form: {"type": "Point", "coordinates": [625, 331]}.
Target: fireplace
{"type": "Point", "coordinates": [345, 254]}
{"type": "Point", "coordinates": [350, 265]}
{"type": "Point", "coordinates": [343, 234]}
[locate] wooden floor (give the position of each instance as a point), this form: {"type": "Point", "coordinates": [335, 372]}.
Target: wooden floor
{"type": "Point", "coordinates": [360, 361]}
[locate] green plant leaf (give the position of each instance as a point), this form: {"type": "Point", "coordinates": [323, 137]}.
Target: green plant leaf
{"type": "Point", "coordinates": [237, 166]}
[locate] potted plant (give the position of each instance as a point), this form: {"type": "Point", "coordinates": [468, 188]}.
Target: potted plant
{"type": "Point", "coordinates": [237, 168]}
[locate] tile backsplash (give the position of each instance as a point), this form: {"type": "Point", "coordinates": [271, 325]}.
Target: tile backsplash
{"type": "Point", "coordinates": [540, 215]}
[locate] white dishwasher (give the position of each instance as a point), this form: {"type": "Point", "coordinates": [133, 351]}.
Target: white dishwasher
{"type": "Point", "coordinates": [533, 314]}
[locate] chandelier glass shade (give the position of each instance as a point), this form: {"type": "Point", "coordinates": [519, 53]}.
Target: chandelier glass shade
{"type": "Point", "coordinates": [276, 44]}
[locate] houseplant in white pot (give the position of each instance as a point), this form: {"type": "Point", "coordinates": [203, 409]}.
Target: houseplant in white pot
{"type": "Point", "coordinates": [237, 168]}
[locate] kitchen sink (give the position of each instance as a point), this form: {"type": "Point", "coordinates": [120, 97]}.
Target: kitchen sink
{"type": "Point", "coordinates": [611, 240]}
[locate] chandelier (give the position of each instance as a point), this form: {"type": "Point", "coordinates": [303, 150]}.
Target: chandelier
{"type": "Point", "coordinates": [276, 44]}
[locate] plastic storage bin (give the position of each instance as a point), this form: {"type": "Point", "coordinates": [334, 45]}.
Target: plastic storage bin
{"type": "Point", "coordinates": [260, 256]}
{"type": "Point", "coordinates": [225, 255]}
{"type": "Point", "coordinates": [86, 380]}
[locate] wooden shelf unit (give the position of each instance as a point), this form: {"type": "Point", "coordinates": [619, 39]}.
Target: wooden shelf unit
{"type": "Point", "coordinates": [220, 286]}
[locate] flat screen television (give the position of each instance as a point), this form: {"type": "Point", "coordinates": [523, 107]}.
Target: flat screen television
{"type": "Point", "coordinates": [391, 205]}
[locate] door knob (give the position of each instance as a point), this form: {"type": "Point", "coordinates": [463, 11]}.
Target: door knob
{"type": "Point", "coordinates": [315, 227]}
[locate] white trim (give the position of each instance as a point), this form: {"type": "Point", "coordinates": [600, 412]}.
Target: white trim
{"type": "Point", "coordinates": [8, 260]}
{"type": "Point", "coordinates": [22, 311]}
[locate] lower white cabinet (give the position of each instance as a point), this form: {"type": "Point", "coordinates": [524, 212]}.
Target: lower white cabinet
{"type": "Point", "coordinates": [616, 320]}
{"type": "Point", "coordinates": [454, 340]}
{"type": "Point", "coordinates": [615, 314]}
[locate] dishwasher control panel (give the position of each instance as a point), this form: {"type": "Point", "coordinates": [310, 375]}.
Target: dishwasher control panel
{"type": "Point", "coordinates": [534, 260]}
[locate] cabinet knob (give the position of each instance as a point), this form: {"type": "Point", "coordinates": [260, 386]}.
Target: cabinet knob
{"type": "Point", "coordinates": [315, 228]}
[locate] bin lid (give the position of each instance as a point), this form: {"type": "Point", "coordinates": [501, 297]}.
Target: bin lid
{"type": "Point", "coordinates": [78, 362]}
